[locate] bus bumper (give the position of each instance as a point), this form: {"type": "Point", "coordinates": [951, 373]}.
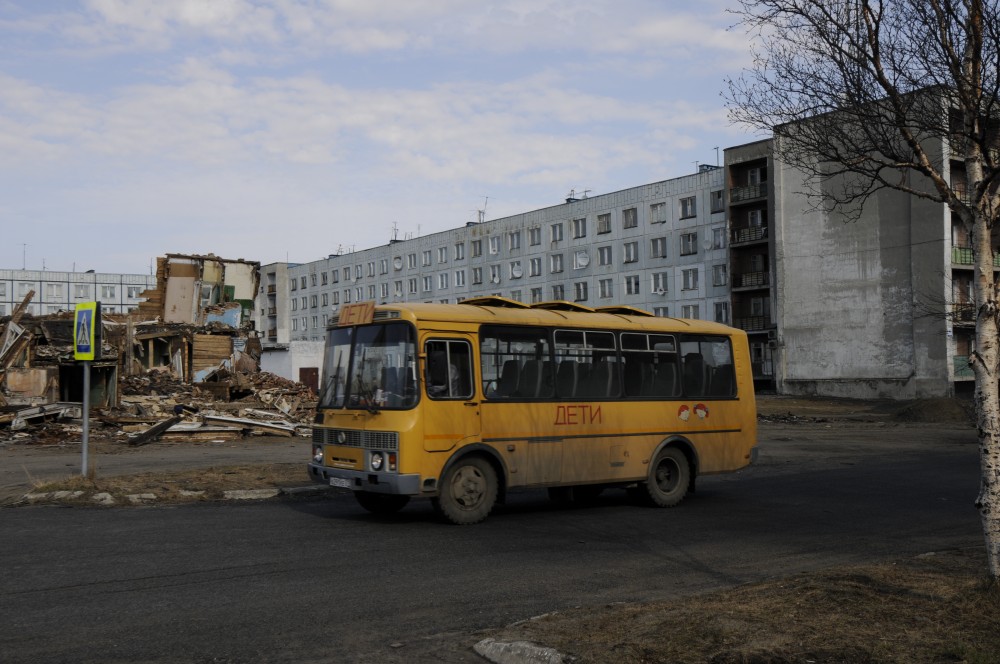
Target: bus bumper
{"type": "Point", "coordinates": [356, 480]}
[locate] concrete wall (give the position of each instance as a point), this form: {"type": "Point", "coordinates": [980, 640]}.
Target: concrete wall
{"type": "Point", "coordinates": [287, 361]}
{"type": "Point", "coordinates": [850, 295]}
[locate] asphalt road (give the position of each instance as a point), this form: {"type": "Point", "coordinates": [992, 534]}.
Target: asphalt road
{"type": "Point", "coordinates": [321, 581]}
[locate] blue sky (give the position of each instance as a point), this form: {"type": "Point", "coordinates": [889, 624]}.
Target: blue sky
{"type": "Point", "coordinates": [284, 129]}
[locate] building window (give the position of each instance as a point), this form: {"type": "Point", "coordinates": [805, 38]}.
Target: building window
{"type": "Point", "coordinates": [603, 224]}
{"type": "Point", "coordinates": [630, 218]}
{"type": "Point", "coordinates": [428, 283]}
{"type": "Point", "coordinates": [326, 300]}
{"type": "Point", "coordinates": [536, 295]}
{"type": "Point", "coordinates": [632, 284]}
{"type": "Point", "coordinates": [719, 275]}
{"type": "Point", "coordinates": [295, 304]}
{"type": "Point", "coordinates": [515, 270]}
{"type": "Point", "coordinates": [662, 312]}
{"type": "Point", "coordinates": [324, 278]}
{"type": "Point", "coordinates": [347, 276]}
{"type": "Point", "coordinates": [515, 295]}
{"type": "Point", "coordinates": [383, 266]}
{"type": "Point", "coordinates": [757, 175]}
{"type": "Point", "coordinates": [534, 236]}
{"type": "Point", "coordinates": [459, 251]}
{"type": "Point", "coordinates": [109, 291]}
{"type": "Point", "coordinates": [658, 213]}
{"type": "Point", "coordinates": [357, 274]}
{"type": "Point", "coordinates": [580, 291]}
{"type": "Point", "coordinates": [581, 259]}
{"type": "Point", "coordinates": [347, 296]}
{"type": "Point", "coordinates": [557, 232]}
{"type": "Point", "coordinates": [494, 274]}
{"type": "Point", "coordinates": [631, 252]}
{"type": "Point", "coordinates": [718, 238]}
{"type": "Point", "coordinates": [605, 288]}
{"type": "Point", "coordinates": [688, 209]}
{"type": "Point", "coordinates": [755, 218]}
{"type": "Point", "coordinates": [689, 243]}
{"type": "Point", "coordinates": [312, 279]}
{"type": "Point", "coordinates": [397, 288]}
{"type": "Point", "coordinates": [689, 311]}
{"type": "Point", "coordinates": [690, 278]}
{"type": "Point", "coordinates": [514, 240]}
{"type": "Point", "coordinates": [535, 267]}
{"type": "Point", "coordinates": [477, 248]}
{"type": "Point", "coordinates": [334, 298]}
{"type": "Point", "coordinates": [425, 258]}
{"type": "Point", "coordinates": [334, 276]}
{"type": "Point", "coordinates": [305, 300]}
{"type": "Point", "coordinates": [459, 277]}
{"type": "Point", "coordinates": [659, 283]}
{"type": "Point", "coordinates": [53, 290]}
{"type": "Point", "coordinates": [443, 280]}
{"type": "Point", "coordinates": [442, 254]}
{"type": "Point", "coordinates": [558, 292]}
{"type": "Point", "coordinates": [295, 325]}
{"type": "Point", "coordinates": [315, 322]}
{"type": "Point", "coordinates": [604, 255]}
{"type": "Point", "coordinates": [371, 269]}
{"type": "Point", "coordinates": [477, 275]}
{"type": "Point", "coordinates": [411, 286]}
{"type": "Point", "coordinates": [658, 247]}
{"type": "Point", "coordinates": [313, 301]}
{"type": "Point", "coordinates": [359, 293]}
{"type": "Point", "coordinates": [580, 228]}
{"type": "Point", "coordinates": [411, 261]}
{"type": "Point", "coordinates": [494, 245]}
{"type": "Point", "coordinates": [555, 263]}
{"type": "Point", "coordinates": [79, 291]}
{"type": "Point", "coordinates": [722, 313]}
{"type": "Point", "coordinates": [718, 202]}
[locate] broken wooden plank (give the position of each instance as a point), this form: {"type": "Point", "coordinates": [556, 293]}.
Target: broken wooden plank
{"type": "Point", "coordinates": [154, 432]}
{"type": "Point", "coordinates": [274, 428]}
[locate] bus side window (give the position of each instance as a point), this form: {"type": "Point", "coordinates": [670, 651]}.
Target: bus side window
{"type": "Point", "coordinates": [449, 368]}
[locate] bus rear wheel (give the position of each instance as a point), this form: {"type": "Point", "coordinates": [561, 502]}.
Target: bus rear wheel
{"type": "Point", "coordinates": [381, 503]}
{"type": "Point", "coordinates": [669, 479]}
{"type": "Point", "coordinates": [468, 491]}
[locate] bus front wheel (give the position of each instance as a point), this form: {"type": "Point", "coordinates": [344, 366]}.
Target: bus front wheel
{"type": "Point", "coordinates": [381, 503]}
{"type": "Point", "coordinates": [468, 491]}
{"type": "Point", "coordinates": [669, 478]}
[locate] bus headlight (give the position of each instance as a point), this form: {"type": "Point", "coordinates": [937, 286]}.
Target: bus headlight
{"type": "Point", "coordinates": [377, 460]}
{"type": "Point", "coordinates": [318, 454]}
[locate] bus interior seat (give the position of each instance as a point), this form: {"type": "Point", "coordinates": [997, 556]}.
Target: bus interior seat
{"type": "Point", "coordinates": [598, 383]}
{"type": "Point", "coordinates": [566, 378]}
{"type": "Point", "coordinates": [722, 384]}
{"type": "Point", "coordinates": [509, 376]}
{"type": "Point", "coordinates": [548, 383]}
{"type": "Point", "coordinates": [694, 375]}
{"type": "Point", "coordinates": [437, 369]}
{"type": "Point", "coordinates": [665, 380]}
{"type": "Point", "coordinates": [531, 379]}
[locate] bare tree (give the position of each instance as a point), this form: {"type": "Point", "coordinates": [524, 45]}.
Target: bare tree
{"type": "Point", "coordinates": [864, 95]}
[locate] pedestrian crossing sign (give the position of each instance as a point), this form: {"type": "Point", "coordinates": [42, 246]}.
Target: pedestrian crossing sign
{"type": "Point", "coordinates": [87, 331]}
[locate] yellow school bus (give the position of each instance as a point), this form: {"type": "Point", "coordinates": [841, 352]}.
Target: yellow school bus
{"type": "Point", "coordinates": [460, 403]}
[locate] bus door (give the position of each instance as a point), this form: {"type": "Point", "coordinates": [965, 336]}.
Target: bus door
{"type": "Point", "coordinates": [450, 410]}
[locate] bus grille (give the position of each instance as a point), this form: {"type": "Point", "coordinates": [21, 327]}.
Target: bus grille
{"type": "Point", "coordinates": [369, 440]}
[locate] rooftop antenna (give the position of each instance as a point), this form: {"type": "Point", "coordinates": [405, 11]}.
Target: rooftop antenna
{"type": "Point", "coordinates": [24, 254]}
{"type": "Point", "coordinates": [716, 155]}
{"type": "Point", "coordinates": [695, 166]}
{"type": "Point", "coordinates": [482, 213]}
{"type": "Point", "coordinates": [395, 232]}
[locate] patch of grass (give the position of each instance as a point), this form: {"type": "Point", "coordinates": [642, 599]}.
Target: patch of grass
{"type": "Point", "coordinates": [928, 609]}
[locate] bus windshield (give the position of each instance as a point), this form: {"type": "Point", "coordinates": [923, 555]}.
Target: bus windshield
{"type": "Point", "coordinates": [370, 366]}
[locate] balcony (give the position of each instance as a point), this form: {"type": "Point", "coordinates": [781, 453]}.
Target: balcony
{"type": "Point", "coordinates": [747, 192]}
{"type": "Point", "coordinates": [751, 280]}
{"type": "Point", "coordinates": [752, 323]}
{"type": "Point", "coordinates": [963, 313]}
{"type": "Point", "coordinates": [747, 234]}
{"type": "Point", "coordinates": [962, 370]}
{"type": "Point", "coordinates": [964, 256]}
{"type": "Point", "coordinates": [272, 311]}
{"type": "Point", "coordinates": [272, 333]}
{"type": "Point", "coordinates": [271, 289]}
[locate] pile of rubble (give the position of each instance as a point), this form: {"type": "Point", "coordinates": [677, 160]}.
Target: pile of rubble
{"type": "Point", "coordinates": [159, 406]}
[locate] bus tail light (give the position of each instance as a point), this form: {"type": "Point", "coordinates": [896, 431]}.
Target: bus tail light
{"type": "Point", "coordinates": [392, 461]}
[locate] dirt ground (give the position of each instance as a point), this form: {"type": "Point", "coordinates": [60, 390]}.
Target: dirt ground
{"type": "Point", "coordinates": [934, 608]}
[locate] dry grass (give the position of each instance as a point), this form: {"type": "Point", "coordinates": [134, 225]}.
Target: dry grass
{"type": "Point", "coordinates": [929, 609]}
{"type": "Point", "coordinates": [184, 486]}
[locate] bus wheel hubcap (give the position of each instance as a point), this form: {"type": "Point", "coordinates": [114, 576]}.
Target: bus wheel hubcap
{"type": "Point", "coordinates": [468, 487]}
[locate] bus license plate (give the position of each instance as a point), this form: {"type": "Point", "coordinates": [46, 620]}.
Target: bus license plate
{"type": "Point", "coordinates": [341, 482]}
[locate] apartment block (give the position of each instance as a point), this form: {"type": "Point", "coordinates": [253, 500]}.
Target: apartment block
{"type": "Point", "coordinates": [61, 291]}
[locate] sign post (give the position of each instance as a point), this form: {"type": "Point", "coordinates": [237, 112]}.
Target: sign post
{"type": "Point", "coordinates": [86, 348]}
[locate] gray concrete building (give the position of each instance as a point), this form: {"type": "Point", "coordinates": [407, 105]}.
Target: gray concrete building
{"type": "Point", "coordinates": [661, 247]}
{"type": "Point", "coordinates": [61, 291]}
